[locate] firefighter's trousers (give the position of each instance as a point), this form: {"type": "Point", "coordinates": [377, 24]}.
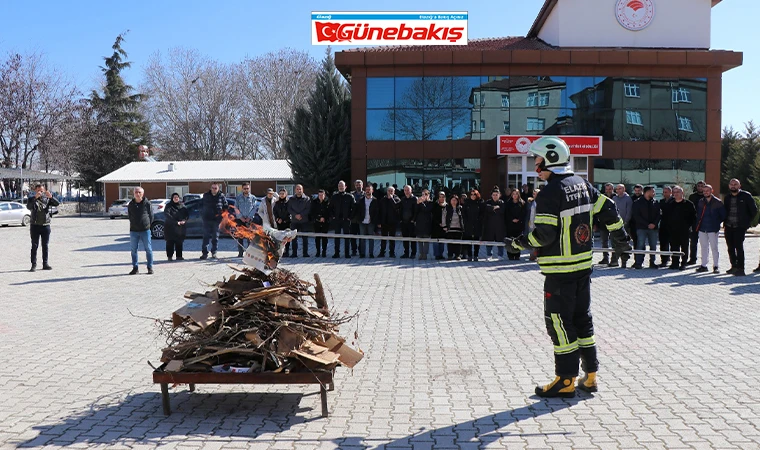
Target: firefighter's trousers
{"type": "Point", "coordinates": [567, 310]}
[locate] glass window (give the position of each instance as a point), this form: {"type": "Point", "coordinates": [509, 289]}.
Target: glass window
{"type": "Point", "coordinates": [180, 189]}
{"type": "Point", "coordinates": [482, 126]}
{"type": "Point", "coordinates": [409, 92]}
{"type": "Point", "coordinates": [697, 94]}
{"type": "Point", "coordinates": [580, 163]}
{"type": "Point", "coordinates": [577, 91]}
{"type": "Point", "coordinates": [632, 90]}
{"type": "Point", "coordinates": [684, 124]}
{"type": "Point", "coordinates": [380, 124]}
{"type": "Point", "coordinates": [681, 95]}
{"type": "Point", "coordinates": [436, 125]}
{"type": "Point", "coordinates": [461, 126]}
{"type": "Point", "coordinates": [532, 99]}
{"type": "Point", "coordinates": [127, 191]}
{"type": "Point", "coordinates": [514, 164]}
{"type": "Point", "coordinates": [4, 207]}
{"type": "Point", "coordinates": [451, 175]}
{"type": "Point", "coordinates": [379, 92]}
{"type": "Point", "coordinates": [506, 126]}
{"type": "Point", "coordinates": [16, 206]}
{"type": "Point", "coordinates": [543, 99]}
{"type": "Point", "coordinates": [409, 124]}
{"type": "Point", "coordinates": [662, 93]}
{"type": "Point", "coordinates": [535, 124]}
{"type": "Point", "coordinates": [437, 92]}
{"type": "Point", "coordinates": [462, 91]}
{"type": "Point", "coordinates": [663, 126]}
{"type": "Point", "coordinates": [633, 118]}
{"type": "Point", "coordinates": [505, 100]}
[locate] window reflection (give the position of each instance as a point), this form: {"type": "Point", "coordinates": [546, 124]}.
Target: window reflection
{"type": "Point", "coordinates": [454, 176]}
{"type": "Point", "coordinates": [657, 172]}
{"type": "Point", "coordinates": [481, 108]}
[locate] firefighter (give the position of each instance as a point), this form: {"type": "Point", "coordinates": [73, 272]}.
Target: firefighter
{"type": "Point", "coordinates": [565, 209]}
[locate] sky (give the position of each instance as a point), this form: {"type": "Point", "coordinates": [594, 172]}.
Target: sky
{"type": "Point", "coordinates": [75, 36]}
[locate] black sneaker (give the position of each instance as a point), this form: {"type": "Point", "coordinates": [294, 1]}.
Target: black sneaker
{"type": "Point", "coordinates": [336, 256]}
{"type": "Point", "coordinates": [673, 267]}
{"type": "Point", "coordinates": [731, 270]}
{"type": "Point", "coordinates": [348, 256]}
{"type": "Point", "coordinates": [702, 269]}
{"type": "Point", "coordinates": [34, 268]}
{"type": "Point", "coordinates": [134, 271]}
{"type": "Point", "coordinates": [691, 262]}
{"type": "Point", "coordinates": [305, 255]}
{"type": "Point", "coordinates": [613, 263]}
{"type": "Point", "coordinates": [715, 270]}
{"type": "Point", "coordinates": [240, 255]}
{"type": "Point", "coordinates": [757, 270]}
{"type": "Point", "coordinates": [150, 271]}
{"type": "Point", "coordinates": [604, 261]}
{"type": "Point", "coordinates": [739, 273]}
{"type": "Point", "coordinates": [204, 256]}
{"type": "Point", "coordinates": [169, 258]}
{"type": "Point", "coordinates": [45, 266]}
{"type": "Point", "coordinates": [404, 256]}
{"type": "Point", "coordinates": [636, 266]}
{"type": "Point", "coordinates": [179, 258]}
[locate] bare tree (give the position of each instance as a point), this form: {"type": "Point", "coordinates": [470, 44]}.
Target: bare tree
{"type": "Point", "coordinates": [425, 109]}
{"type": "Point", "coordinates": [194, 105]}
{"type": "Point", "coordinates": [274, 86]}
{"type": "Point", "coordinates": [35, 101]}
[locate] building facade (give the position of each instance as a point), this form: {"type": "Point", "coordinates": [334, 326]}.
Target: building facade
{"type": "Point", "coordinates": [432, 116]}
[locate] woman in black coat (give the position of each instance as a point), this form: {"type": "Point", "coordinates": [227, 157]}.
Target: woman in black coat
{"type": "Point", "coordinates": [439, 223]}
{"type": "Point", "coordinates": [454, 226]}
{"type": "Point", "coordinates": [423, 221]}
{"type": "Point", "coordinates": [473, 223]}
{"type": "Point", "coordinates": [515, 214]}
{"type": "Point", "coordinates": [494, 222]}
{"type": "Point", "coordinates": [175, 217]}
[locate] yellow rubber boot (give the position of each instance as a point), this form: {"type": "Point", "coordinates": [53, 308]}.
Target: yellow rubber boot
{"type": "Point", "coordinates": [588, 382]}
{"type": "Point", "coordinates": [560, 387]}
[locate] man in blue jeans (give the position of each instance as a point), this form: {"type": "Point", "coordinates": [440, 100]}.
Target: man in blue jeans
{"type": "Point", "coordinates": [140, 217]}
{"type": "Point", "coordinates": [646, 215]}
{"type": "Point", "coordinates": [213, 204]}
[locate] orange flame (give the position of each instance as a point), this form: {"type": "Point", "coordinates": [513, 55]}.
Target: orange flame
{"type": "Point", "coordinates": [254, 233]}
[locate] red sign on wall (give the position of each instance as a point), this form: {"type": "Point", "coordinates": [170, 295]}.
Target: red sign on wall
{"type": "Point", "coordinates": [579, 145]}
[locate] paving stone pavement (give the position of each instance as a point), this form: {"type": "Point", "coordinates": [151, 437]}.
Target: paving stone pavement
{"type": "Point", "coordinates": [453, 351]}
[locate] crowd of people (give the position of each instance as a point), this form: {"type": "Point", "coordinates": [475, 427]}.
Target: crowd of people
{"type": "Point", "coordinates": [674, 222]}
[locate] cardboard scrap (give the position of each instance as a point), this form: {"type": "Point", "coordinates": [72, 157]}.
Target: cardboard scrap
{"type": "Point", "coordinates": [175, 365]}
{"type": "Point", "coordinates": [201, 310]}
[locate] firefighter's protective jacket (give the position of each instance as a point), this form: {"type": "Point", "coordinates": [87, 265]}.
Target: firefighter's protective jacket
{"type": "Point", "coordinates": [565, 209]}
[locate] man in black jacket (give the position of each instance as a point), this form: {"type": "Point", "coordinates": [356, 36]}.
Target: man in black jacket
{"type": "Point", "coordinates": [366, 212]}
{"type": "Point", "coordinates": [666, 208]}
{"type": "Point", "coordinates": [39, 226]}
{"type": "Point", "coordinates": [637, 194]}
{"type": "Point", "coordinates": [407, 209]}
{"type": "Point", "coordinates": [740, 210]}
{"type": "Point", "coordinates": [213, 204]}
{"type": "Point", "coordinates": [681, 217]}
{"type": "Point", "coordinates": [389, 212]}
{"type": "Point", "coordinates": [342, 205]}
{"type": "Point", "coordinates": [140, 215]}
{"type": "Point", "coordinates": [646, 215]}
{"type": "Point", "coordinates": [694, 198]}
{"type": "Point", "coordinates": [358, 194]}
{"type": "Point", "coordinates": [320, 214]}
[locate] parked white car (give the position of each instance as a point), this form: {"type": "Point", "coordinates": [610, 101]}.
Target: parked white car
{"type": "Point", "coordinates": [158, 204]}
{"type": "Point", "coordinates": [118, 209]}
{"type": "Point", "coordinates": [14, 213]}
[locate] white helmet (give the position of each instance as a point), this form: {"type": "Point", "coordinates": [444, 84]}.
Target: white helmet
{"type": "Point", "coordinates": [555, 152]}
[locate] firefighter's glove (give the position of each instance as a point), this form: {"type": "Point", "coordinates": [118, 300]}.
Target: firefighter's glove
{"type": "Point", "coordinates": [621, 243]}
{"type": "Point", "coordinates": [519, 243]}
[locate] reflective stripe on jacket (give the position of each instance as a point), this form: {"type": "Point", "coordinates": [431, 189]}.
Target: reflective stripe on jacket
{"type": "Point", "coordinates": [563, 234]}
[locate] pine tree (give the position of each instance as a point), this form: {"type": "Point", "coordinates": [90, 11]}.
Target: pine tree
{"type": "Point", "coordinates": [113, 125]}
{"type": "Point", "coordinates": [728, 139]}
{"type": "Point", "coordinates": [318, 140]}
{"type": "Point", "coordinates": [741, 157]}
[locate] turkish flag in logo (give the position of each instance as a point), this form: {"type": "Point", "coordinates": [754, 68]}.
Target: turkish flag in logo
{"type": "Point", "coordinates": [327, 31]}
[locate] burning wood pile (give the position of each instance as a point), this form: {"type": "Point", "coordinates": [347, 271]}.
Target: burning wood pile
{"type": "Point", "coordinates": [254, 322]}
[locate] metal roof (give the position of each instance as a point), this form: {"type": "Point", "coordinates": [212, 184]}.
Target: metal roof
{"type": "Point", "coordinates": [158, 171]}
{"type": "Point", "coordinates": [6, 173]}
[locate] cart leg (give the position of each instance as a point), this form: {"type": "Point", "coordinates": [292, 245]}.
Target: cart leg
{"type": "Point", "coordinates": [165, 398]}
{"type": "Point", "coordinates": [323, 395]}
{"type": "Point", "coordinates": [192, 387]}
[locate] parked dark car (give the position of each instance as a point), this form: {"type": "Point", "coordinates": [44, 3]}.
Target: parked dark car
{"type": "Point", "coordinates": [194, 223]}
